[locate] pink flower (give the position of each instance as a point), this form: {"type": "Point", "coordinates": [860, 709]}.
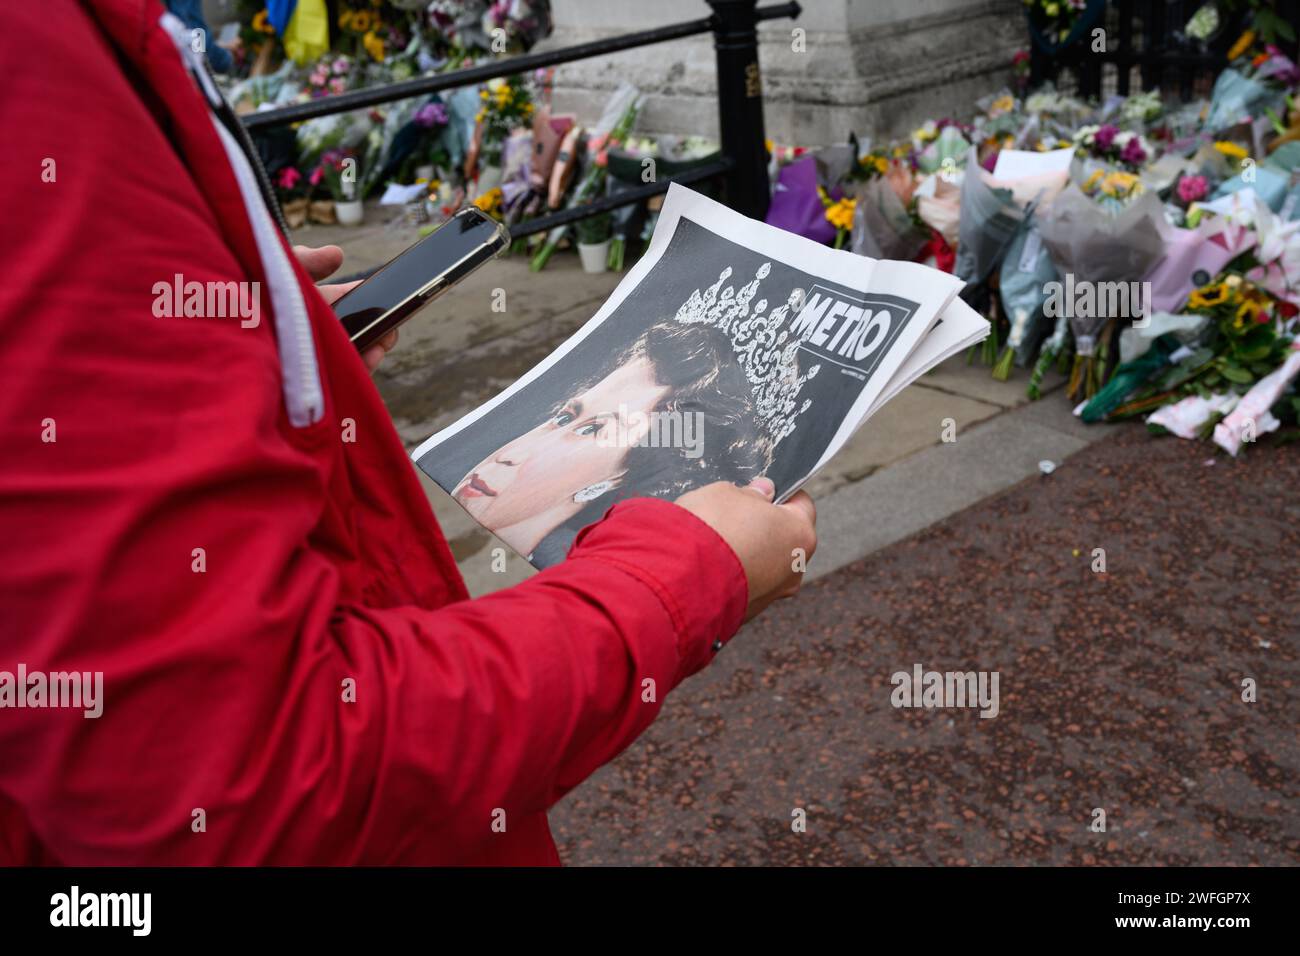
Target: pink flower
{"type": "Point", "coordinates": [1133, 153]}
{"type": "Point", "coordinates": [288, 177]}
{"type": "Point", "coordinates": [1193, 189]}
{"type": "Point", "coordinates": [336, 85]}
{"type": "Point", "coordinates": [1106, 136]}
{"type": "Point", "coordinates": [316, 176]}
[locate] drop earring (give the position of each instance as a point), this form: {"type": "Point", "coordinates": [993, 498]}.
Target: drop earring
{"type": "Point", "coordinates": [592, 492]}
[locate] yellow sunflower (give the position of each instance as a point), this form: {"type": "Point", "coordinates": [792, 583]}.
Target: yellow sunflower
{"type": "Point", "coordinates": [262, 22]}
{"type": "Point", "coordinates": [1231, 150]}
{"type": "Point", "coordinates": [1249, 308]}
{"type": "Point", "coordinates": [1208, 296]}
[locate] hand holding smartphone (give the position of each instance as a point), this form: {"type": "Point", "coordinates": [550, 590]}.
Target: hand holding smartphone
{"type": "Point", "coordinates": [416, 277]}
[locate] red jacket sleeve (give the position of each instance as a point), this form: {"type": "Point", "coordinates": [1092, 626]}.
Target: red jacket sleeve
{"type": "Point", "coordinates": [161, 527]}
{"type": "Point", "coordinates": [508, 701]}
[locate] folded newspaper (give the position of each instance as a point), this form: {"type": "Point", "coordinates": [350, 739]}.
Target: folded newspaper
{"type": "Point", "coordinates": [731, 350]}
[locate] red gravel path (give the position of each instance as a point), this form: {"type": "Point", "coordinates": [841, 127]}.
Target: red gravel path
{"type": "Point", "coordinates": [1119, 690]}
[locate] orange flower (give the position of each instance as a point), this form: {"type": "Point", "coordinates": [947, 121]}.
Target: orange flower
{"type": "Point", "coordinates": [1244, 43]}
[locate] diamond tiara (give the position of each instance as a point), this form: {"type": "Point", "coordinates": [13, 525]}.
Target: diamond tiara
{"type": "Point", "coordinates": [768, 355]}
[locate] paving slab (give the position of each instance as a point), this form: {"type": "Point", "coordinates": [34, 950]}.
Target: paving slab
{"type": "Point", "coordinates": [859, 518]}
{"type": "Point", "coordinates": [914, 419]}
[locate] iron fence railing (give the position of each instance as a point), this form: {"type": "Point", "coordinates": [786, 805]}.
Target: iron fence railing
{"type": "Point", "coordinates": [1145, 41]}
{"type": "Point", "coordinates": [743, 163]}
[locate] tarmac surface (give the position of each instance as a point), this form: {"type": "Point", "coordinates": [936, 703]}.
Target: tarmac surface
{"type": "Point", "coordinates": [1119, 691]}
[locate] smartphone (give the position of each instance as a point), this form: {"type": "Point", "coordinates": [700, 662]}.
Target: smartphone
{"type": "Point", "coordinates": [404, 285]}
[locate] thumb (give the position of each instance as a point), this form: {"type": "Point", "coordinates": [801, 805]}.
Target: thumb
{"type": "Point", "coordinates": [763, 486]}
{"type": "Point", "coordinates": [319, 262]}
{"type": "Point", "coordinates": [803, 505]}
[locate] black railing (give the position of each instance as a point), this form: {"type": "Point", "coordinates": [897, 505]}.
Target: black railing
{"type": "Point", "coordinates": [1147, 38]}
{"type": "Point", "coordinates": [743, 165]}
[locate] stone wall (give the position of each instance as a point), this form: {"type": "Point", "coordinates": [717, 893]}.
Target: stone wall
{"type": "Point", "coordinates": [877, 67]}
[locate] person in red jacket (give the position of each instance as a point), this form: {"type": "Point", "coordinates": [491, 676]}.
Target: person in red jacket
{"type": "Point", "coordinates": [292, 671]}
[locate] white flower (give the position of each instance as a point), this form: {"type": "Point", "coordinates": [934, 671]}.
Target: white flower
{"type": "Point", "coordinates": [1278, 251]}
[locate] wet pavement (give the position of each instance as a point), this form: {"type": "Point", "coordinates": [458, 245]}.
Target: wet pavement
{"type": "Point", "coordinates": [1118, 692]}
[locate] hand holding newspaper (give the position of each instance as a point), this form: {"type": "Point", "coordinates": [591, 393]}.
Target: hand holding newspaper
{"type": "Point", "coordinates": [731, 350]}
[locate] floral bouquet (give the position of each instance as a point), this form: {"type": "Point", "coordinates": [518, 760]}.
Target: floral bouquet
{"type": "Point", "coordinates": [1276, 258]}
{"type": "Point", "coordinates": [1242, 344]}
{"type": "Point", "coordinates": [1055, 24]}
{"type": "Point", "coordinates": [801, 200]}
{"type": "Point", "coordinates": [943, 153]}
{"type": "Point", "coordinates": [1250, 88]}
{"type": "Point", "coordinates": [332, 74]}
{"type": "Point", "coordinates": [1269, 182]}
{"type": "Point", "coordinates": [871, 164]}
{"type": "Point", "coordinates": [999, 121]}
{"type": "Point", "coordinates": [1114, 145]}
{"type": "Point", "coordinates": [1061, 111]}
{"type": "Point", "coordinates": [1253, 414]}
{"type": "Point", "coordinates": [416, 142]}
{"type": "Point", "coordinates": [1192, 255]}
{"type": "Point", "coordinates": [257, 37]}
{"type": "Point", "coordinates": [507, 104]}
{"type": "Point", "coordinates": [1105, 230]}
{"type": "Point", "coordinates": [291, 188]}
{"type": "Point", "coordinates": [361, 30]}
{"type": "Point", "coordinates": [613, 129]}
{"type": "Point", "coordinates": [839, 213]}
{"type": "Point", "coordinates": [1026, 273]}
{"type": "Point", "coordinates": [521, 22]}
{"type": "Point", "coordinates": [639, 160]}
{"type": "Point", "coordinates": [339, 170]}
{"type": "Point", "coordinates": [1140, 110]}
{"type": "Point", "coordinates": [501, 26]}
{"type": "Point", "coordinates": [990, 219]}
{"type": "Point", "coordinates": [883, 225]}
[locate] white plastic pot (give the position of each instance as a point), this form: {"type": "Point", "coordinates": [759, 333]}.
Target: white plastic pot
{"type": "Point", "coordinates": [595, 258]}
{"type": "Point", "coordinates": [350, 213]}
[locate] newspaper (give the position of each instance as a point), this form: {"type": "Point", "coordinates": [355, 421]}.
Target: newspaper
{"type": "Point", "coordinates": [731, 350]}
